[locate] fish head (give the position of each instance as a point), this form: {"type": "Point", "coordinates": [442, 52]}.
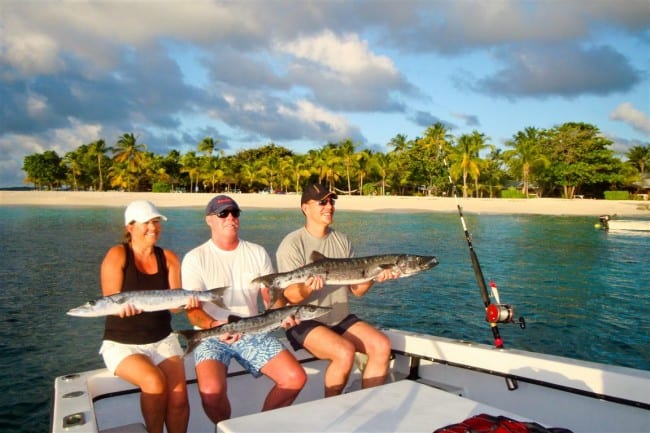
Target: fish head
{"type": "Point", "coordinates": [86, 310]}
{"type": "Point", "coordinates": [411, 264]}
{"type": "Point", "coordinates": [309, 311]}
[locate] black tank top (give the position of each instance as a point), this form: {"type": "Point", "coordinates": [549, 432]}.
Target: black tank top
{"type": "Point", "coordinates": [147, 327]}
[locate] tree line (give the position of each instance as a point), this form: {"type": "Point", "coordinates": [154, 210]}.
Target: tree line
{"type": "Point", "coordinates": [573, 158]}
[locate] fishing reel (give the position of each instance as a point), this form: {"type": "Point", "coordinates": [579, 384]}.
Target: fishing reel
{"type": "Point", "coordinates": [501, 313]}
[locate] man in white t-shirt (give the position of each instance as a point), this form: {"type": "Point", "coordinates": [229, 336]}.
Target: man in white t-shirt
{"type": "Point", "coordinates": [226, 260]}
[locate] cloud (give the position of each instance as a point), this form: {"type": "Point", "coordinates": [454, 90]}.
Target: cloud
{"type": "Point", "coordinates": [342, 72]}
{"type": "Point", "coordinates": [426, 119]}
{"type": "Point", "coordinates": [249, 72]}
{"type": "Point", "coordinates": [558, 70]}
{"type": "Point", "coordinates": [627, 113]}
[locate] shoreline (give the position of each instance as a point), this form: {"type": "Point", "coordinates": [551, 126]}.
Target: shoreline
{"type": "Point", "coordinates": [534, 206]}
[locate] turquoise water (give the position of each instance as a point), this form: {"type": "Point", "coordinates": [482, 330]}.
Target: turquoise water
{"type": "Point", "coordinates": [584, 293]}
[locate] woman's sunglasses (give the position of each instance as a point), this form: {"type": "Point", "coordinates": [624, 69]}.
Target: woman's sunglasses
{"type": "Point", "coordinates": [224, 213]}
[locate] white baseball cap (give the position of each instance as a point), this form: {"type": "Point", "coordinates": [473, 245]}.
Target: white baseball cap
{"type": "Point", "coordinates": [141, 211]}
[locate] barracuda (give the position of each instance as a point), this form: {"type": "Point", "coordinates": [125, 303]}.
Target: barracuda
{"type": "Point", "coordinates": [146, 300]}
{"type": "Point", "coordinates": [346, 271]}
{"type": "Point", "coordinates": [262, 323]}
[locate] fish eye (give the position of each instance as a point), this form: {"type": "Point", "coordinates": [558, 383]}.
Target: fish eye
{"type": "Point", "coordinates": [91, 303]}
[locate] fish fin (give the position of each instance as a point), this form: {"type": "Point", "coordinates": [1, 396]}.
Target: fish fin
{"type": "Point", "coordinates": [217, 296]}
{"type": "Point", "coordinates": [188, 334]}
{"type": "Point", "coordinates": [316, 256]}
{"type": "Point", "coordinates": [117, 298]}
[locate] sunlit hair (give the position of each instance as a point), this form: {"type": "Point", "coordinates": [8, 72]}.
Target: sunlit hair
{"type": "Point", "coordinates": [126, 238]}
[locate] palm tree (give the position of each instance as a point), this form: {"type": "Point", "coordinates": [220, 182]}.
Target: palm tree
{"type": "Point", "coordinates": [469, 161]}
{"type": "Point", "coordinates": [639, 156]}
{"type": "Point", "coordinates": [398, 143]}
{"type": "Point", "coordinates": [129, 152]}
{"type": "Point", "coordinates": [190, 165]}
{"type": "Point", "coordinates": [346, 152]}
{"type": "Point", "coordinates": [424, 154]}
{"type": "Point", "coordinates": [526, 153]}
{"type": "Point", "coordinates": [99, 149]}
{"type": "Point", "coordinates": [207, 145]}
{"type": "Point", "coordinates": [399, 162]}
{"type": "Point", "coordinates": [72, 161]}
{"type": "Point", "coordinates": [381, 163]}
{"type": "Point", "coordinates": [299, 169]}
{"type": "Point", "coordinates": [363, 159]}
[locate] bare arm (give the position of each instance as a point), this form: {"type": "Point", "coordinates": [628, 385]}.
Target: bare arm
{"type": "Point", "coordinates": [174, 278]}
{"type": "Point", "coordinates": [112, 277]}
{"type": "Point", "coordinates": [362, 288]}
{"type": "Point", "coordinates": [296, 293]}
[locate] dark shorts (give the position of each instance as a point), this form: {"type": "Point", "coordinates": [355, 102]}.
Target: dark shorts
{"type": "Point", "coordinates": [297, 334]}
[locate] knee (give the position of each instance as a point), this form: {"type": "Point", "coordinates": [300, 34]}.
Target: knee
{"type": "Point", "coordinates": [178, 400]}
{"type": "Point", "coordinates": [379, 347]}
{"type": "Point", "coordinates": [153, 382]}
{"type": "Point", "coordinates": [343, 353]}
{"type": "Point", "coordinates": [213, 387]}
{"type": "Point", "coordinates": [295, 378]}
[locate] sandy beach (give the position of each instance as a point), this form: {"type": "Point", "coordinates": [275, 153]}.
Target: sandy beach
{"type": "Point", "coordinates": [539, 206]}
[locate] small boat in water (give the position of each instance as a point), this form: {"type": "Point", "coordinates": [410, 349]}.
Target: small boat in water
{"type": "Point", "coordinates": [433, 382]}
{"type": "Point", "coordinates": [615, 224]}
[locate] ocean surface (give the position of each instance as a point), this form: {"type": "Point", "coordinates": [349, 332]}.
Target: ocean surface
{"type": "Point", "coordinates": [584, 293]}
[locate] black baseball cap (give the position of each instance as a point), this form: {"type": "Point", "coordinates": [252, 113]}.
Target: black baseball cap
{"type": "Point", "coordinates": [316, 191]}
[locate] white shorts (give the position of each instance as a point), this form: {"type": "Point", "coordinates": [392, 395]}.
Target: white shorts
{"type": "Point", "coordinates": [114, 352]}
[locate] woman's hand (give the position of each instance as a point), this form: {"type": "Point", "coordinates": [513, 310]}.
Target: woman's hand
{"type": "Point", "coordinates": [129, 310]}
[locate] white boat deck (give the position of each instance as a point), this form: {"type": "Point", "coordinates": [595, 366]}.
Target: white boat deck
{"type": "Point", "coordinates": [454, 381]}
{"type": "Point", "coordinates": [402, 406]}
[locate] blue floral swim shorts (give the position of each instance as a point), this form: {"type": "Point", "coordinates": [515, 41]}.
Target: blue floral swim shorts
{"type": "Point", "coordinates": [252, 351]}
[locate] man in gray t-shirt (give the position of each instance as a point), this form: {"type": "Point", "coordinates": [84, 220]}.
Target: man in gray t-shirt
{"type": "Point", "coordinates": [338, 335]}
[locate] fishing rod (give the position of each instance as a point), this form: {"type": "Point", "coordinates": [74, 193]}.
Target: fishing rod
{"type": "Point", "coordinates": [494, 312]}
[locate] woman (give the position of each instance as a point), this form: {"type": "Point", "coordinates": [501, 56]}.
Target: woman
{"type": "Point", "coordinates": [139, 346]}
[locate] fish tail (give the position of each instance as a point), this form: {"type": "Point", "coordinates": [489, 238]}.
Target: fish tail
{"type": "Point", "coordinates": [275, 294]}
{"type": "Point", "coordinates": [192, 339]}
{"type": "Point", "coordinates": [265, 280]}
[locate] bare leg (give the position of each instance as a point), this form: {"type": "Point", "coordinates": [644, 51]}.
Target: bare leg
{"type": "Point", "coordinates": [178, 408]}
{"type": "Point", "coordinates": [324, 343]}
{"type": "Point", "coordinates": [139, 370]}
{"type": "Point", "coordinates": [369, 340]}
{"type": "Point", "coordinates": [289, 378]}
{"type": "Point", "coordinates": [213, 387]}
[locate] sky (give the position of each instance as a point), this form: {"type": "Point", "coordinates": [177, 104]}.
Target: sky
{"type": "Point", "coordinates": [301, 74]}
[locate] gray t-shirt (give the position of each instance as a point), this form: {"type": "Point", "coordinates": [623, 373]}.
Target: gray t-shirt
{"type": "Point", "coordinates": [295, 250]}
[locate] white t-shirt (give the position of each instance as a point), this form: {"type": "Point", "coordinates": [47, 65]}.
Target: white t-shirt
{"type": "Point", "coordinates": [208, 267]}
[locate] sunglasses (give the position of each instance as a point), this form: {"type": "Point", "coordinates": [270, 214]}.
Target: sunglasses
{"type": "Point", "coordinates": [325, 201]}
{"type": "Point", "coordinates": [224, 213]}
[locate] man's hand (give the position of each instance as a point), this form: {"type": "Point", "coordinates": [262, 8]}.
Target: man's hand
{"type": "Point", "coordinates": [290, 322]}
{"type": "Point", "coordinates": [192, 302]}
{"type": "Point", "coordinates": [230, 338]}
{"type": "Point", "coordinates": [315, 282]}
{"type": "Point", "coordinates": [387, 274]}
